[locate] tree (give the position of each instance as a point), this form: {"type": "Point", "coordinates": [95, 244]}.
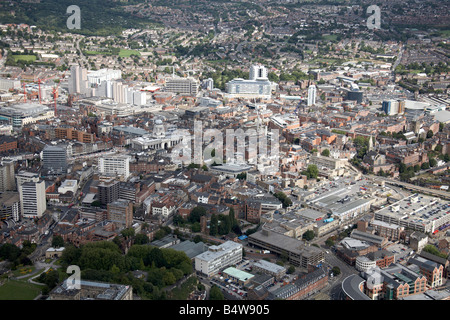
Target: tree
{"type": "Point", "coordinates": [312, 172]}
{"type": "Point", "coordinates": [214, 225]}
{"type": "Point", "coordinates": [308, 235]}
{"type": "Point", "coordinates": [325, 153]}
{"type": "Point", "coordinates": [329, 242]}
{"type": "Point", "coordinates": [57, 241]}
{"type": "Point", "coordinates": [285, 200]}
{"type": "Point", "coordinates": [215, 293]}
{"type": "Point", "coordinates": [196, 213]}
{"type": "Point", "coordinates": [425, 166]}
{"type": "Point", "coordinates": [291, 269]}
{"type": "Point", "coordinates": [430, 134]}
{"type": "Point", "coordinates": [336, 271]}
{"type": "Point", "coordinates": [141, 239]}
{"type": "Point", "coordinates": [432, 162]}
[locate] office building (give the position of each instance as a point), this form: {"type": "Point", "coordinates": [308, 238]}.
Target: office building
{"type": "Point", "coordinates": [240, 88]}
{"type": "Point", "coordinates": [218, 257]}
{"type": "Point", "coordinates": [312, 95]}
{"type": "Point", "coordinates": [25, 176]}
{"type": "Point", "coordinates": [7, 84]}
{"type": "Point", "coordinates": [108, 191]}
{"type": "Point", "coordinates": [7, 179]}
{"type": "Point", "coordinates": [121, 212]}
{"type": "Point", "coordinates": [208, 84]}
{"type": "Point", "coordinates": [185, 86]}
{"type": "Point", "coordinates": [54, 159]}
{"type": "Point", "coordinates": [393, 107]}
{"type": "Point", "coordinates": [355, 95]}
{"type": "Point", "coordinates": [114, 165]}
{"type": "Point", "coordinates": [32, 199]}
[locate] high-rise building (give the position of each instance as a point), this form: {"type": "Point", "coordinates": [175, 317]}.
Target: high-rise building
{"type": "Point", "coordinates": [7, 179]}
{"type": "Point", "coordinates": [121, 211]}
{"type": "Point", "coordinates": [115, 165]}
{"type": "Point", "coordinates": [55, 159]}
{"type": "Point", "coordinates": [208, 84]}
{"type": "Point", "coordinates": [108, 191]}
{"type": "Point", "coordinates": [32, 199]}
{"type": "Point", "coordinates": [78, 81]}
{"type": "Point", "coordinates": [312, 95]}
{"type": "Point", "coordinates": [393, 107]}
{"type": "Point", "coordinates": [258, 72]}
{"type": "Point", "coordinates": [25, 176]}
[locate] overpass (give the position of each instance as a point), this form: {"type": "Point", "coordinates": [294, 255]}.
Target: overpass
{"type": "Point", "coordinates": [432, 192]}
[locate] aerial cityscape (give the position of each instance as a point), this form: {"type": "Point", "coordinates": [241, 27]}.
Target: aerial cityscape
{"type": "Point", "coordinates": [237, 151]}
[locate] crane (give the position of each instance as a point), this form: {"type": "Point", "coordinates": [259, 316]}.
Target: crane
{"type": "Point", "coordinates": [55, 90]}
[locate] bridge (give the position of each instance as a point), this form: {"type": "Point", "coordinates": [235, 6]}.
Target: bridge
{"type": "Point", "coordinates": [432, 192]}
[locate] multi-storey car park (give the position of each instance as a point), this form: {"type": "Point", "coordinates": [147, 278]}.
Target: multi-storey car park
{"type": "Point", "coordinates": [418, 212]}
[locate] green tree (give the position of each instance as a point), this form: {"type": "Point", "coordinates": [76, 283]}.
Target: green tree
{"type": "Point", "coordinates": [57, 241]}
{"type": "Point", "coordinates": [308, 235]}
{"type": "Point", "coordinates": [432, 162]}
{"type": "Point", "coordinates": [325, 153]}
{"type": "Point", "coordinates": [430, 134]}
{"type": "Point", "coordinates": [214, 225]}
{"type": "Point", "coordinates": [291, 269]}
{"type": "Point", "coordinates": [425, 166]}
{"type": "Point", "coordinates": [141, 239]}
{"type": "Point", "coordinates": [312, 172]}
{"type": "Point", "coordinates": [329, 242]}
{"type": "Point", "coordinates": [196, 213]}
{"type": "Point", "coordinates": [215, 293]}
{"type": "Point", "coordinates": [336, 271]}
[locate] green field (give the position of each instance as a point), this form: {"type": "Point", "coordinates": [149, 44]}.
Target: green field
{"type": "Point", "coordinates": [127, 53]}
{"type": "Point", "coordinates": [19, 290]}
{"type": "Point", "coordinates": [24, 57]}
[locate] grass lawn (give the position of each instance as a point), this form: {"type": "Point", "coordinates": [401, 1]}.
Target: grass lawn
{"type": "Point", "coordinates": [330, 37]}
{"type": "Point", "coordinates": [127, 53]}
{"type": "Point", "coordinates": [23, 271]}
{"type": "Point", "coordinates": [24, 57]}
{"type": "Point", "coordinates": [19, 290]}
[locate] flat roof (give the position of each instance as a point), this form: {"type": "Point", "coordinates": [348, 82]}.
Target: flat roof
{"type": "Point", "coordinates": [238, 274]}
{"type": "Point", "coordinates": [272, 267]}
{"type": "Point", "coordinates": [215, 252]}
